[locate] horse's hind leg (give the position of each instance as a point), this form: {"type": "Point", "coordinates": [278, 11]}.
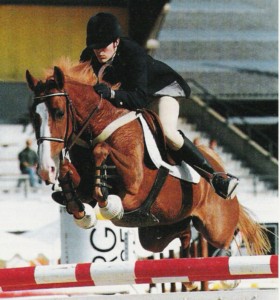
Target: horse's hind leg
{"type": "Point", "coordinates": [217, 221]}
{"type": "Point", "coordinates": [185, 239]}
{"type": "Point", "coordinates": [156, 238]}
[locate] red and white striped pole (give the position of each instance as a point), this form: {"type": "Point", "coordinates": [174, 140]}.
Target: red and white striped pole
{"type": "Point", "coordinates": [146, 271]}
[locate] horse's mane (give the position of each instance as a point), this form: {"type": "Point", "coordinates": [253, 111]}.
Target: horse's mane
{"type": "Point", "coordinates": [81, 72]}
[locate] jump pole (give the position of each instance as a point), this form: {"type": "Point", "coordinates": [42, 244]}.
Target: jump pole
{"type": "Point", "coordinates": [138, 272]}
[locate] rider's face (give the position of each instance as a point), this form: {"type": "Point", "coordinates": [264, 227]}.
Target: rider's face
{"type": "Point", "coordinates": [105, 54]}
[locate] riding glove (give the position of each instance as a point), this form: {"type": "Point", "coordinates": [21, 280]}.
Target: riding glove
{"type": "Point", "coordinates": [103, 90]}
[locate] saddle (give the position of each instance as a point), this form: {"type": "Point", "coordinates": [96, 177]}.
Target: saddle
{"type": "Point", "coordinates": [158, 151]}
{"type": "Point", "coordinates": [156, 129]}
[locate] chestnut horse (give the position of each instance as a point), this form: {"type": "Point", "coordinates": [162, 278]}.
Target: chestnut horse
{"type": "Point", "coordinates": [65, 105]}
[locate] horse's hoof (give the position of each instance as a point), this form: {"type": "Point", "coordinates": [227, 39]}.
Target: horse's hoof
{"type": "Point", "coordinates": [222, 252]}
{"type": "Point", "coordinates": [59, 198]}
{"type": "Point", "coordinates": [229, 284]}
{"type": "Point", "coordinates": [89, 220]}
{"type": "Point", "coordinates": [114, 208]}
{"type": "Point", "coordinates": [191, 286]}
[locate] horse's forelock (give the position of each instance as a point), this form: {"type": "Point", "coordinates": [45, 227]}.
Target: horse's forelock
{"type": "Point", "coordinates": [81, 72]}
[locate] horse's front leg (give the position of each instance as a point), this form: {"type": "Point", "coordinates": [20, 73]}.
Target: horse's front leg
{"type": "Point", "coordinates": [110, 206]}
{"type": "Point", "coordinates": [69, 179]}
{"type": "Point", "coordinates": [100, 189]}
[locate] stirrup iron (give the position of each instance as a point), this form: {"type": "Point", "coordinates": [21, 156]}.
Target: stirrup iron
{"type": "Point", "coordinates": [232, 184]}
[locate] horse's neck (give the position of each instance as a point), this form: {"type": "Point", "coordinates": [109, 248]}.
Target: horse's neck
{"type": "Point", "coordinates": [88, 102]}
{"type": "Point", "coordinates": [106, 114]}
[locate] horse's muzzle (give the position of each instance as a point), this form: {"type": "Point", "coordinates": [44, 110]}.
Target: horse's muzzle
{"type": "Point", "coordinates": [48, 175]}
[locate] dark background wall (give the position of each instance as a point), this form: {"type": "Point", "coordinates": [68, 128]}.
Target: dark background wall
{"type": "Point", "coordinates": [36, 33]}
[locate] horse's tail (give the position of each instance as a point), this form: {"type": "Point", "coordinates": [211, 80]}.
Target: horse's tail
{"type": "Point", "coordinates": [253, 234]}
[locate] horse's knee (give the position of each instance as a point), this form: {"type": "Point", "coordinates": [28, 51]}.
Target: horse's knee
{"type": "Point", "coordinates": [101, 150]}
{"type": "Point", "coordinates": [67, 168]}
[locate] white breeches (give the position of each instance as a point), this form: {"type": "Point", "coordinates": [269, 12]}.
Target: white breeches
{"type": "Point", "coordinates": [167, 109]}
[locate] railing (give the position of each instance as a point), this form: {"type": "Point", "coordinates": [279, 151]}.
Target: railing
{"type": "Point", "coordinates": [152, 42]}
{"type": "Point", "coordinates": [228, 112]}
{"type": "Point", "coordinates": [270, 181]}
{"type": "Point", "coordinates": [17, 179]}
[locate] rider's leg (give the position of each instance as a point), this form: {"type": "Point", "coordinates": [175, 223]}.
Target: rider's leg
{"type": "Point", "coordinates": [167, 109]}
{"type": "Point", "coordinates": [31, 172]}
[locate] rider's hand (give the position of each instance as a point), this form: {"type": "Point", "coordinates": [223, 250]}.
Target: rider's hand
{"type": "Point", "coordinates": [103, 90]}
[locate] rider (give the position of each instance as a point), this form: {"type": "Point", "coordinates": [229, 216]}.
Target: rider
{"type": "Point", "coordinates": [146, 83]}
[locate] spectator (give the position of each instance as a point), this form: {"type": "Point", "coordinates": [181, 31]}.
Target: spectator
{"type": "Point", "coordinates": [213, 144]}
{"type": "Point", "coordinates": [196, 141]}
{"type": "Point", "coordinates": [28, 163]}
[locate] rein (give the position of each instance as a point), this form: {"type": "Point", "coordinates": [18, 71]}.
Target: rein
{"type": "Point", "coordinates": [76, 136]}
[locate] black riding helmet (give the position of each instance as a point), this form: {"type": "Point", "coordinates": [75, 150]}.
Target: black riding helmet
{"type": "Point", "coordinates": [102, 30]}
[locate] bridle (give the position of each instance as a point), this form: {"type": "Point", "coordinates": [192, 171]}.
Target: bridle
{"type": "Point", "coordinates": [67, 141]}
{"type": "Point", "coordinates": [69, 109]}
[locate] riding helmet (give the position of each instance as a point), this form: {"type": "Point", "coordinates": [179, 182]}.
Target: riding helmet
{"type": "Point", "coordinates": [102, 30]}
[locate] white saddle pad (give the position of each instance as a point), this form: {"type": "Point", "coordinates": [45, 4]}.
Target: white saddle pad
{"type": "Point", "coordinates": [182, 171]}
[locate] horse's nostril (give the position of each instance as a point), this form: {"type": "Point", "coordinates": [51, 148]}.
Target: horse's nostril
{"type": "Point", "coordinates": [52, 169]}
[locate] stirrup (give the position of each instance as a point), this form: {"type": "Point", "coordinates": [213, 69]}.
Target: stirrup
{"type": "Point", "coordinates": [234, 181]}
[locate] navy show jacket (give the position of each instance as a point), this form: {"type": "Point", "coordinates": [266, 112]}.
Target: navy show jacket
{"type": "Point", "coordinates": [141, 76]}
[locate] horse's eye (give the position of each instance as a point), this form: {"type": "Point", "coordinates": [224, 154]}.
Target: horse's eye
{"type": "Point", "coordinates": [58, 114]}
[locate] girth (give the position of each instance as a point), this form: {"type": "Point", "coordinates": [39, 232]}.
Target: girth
{"type": "Point", "coordinates": [142, 216]}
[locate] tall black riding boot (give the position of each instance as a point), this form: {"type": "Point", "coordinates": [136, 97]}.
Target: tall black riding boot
{"type": "Point", "coordinates": [223, 183]}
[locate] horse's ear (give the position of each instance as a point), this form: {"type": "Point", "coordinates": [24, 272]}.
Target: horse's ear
{"type": "Point", "coordinates": [32, 82]}
{"type": "Point", "coordinates": [59, 77]}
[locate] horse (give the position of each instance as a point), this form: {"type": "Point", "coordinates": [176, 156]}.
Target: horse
{"type": "Point", "coordinates": [67, 113]}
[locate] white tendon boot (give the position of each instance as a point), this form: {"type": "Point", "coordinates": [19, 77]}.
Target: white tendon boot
{"type": "Point", "coordinates": [89, 220]}
{"type": "Point", "coordinates": [114, 208]}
